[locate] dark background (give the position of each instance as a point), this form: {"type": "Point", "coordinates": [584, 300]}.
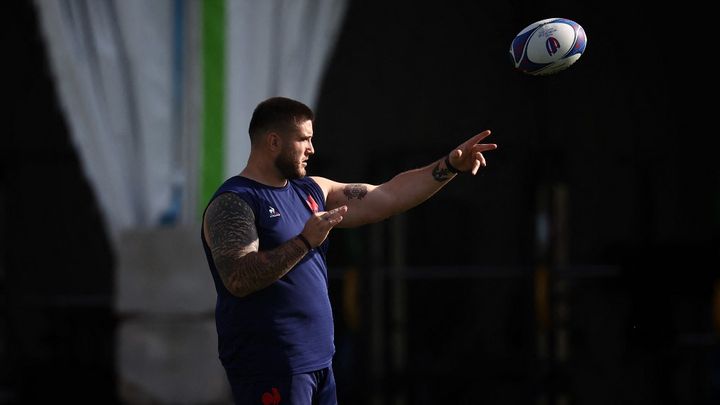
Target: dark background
{"type": "Point", "coordinates": [624, 134]}
{"type": "Point", "coordinates": [617, 152]}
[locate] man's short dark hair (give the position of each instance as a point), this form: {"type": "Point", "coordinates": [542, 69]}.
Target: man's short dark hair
{"type": "Point", "coordinates": [279, 114]}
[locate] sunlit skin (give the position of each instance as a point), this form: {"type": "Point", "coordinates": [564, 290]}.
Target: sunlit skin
{"type": "Point", "coordinates": [276, 158]}
{"type": "Point", "coordinates": [295, 152]}
{"type": "Point", "coordinates": [279, 157]}
{"type": "Point", "coordinates": [367, 203]}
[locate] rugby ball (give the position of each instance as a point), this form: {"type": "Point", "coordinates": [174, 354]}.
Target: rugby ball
{"type": "Point", "coordinates": [548, 46]}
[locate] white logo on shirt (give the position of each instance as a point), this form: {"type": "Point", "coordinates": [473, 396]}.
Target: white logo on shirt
{"type": "Point", "coordinates": [273, 212]}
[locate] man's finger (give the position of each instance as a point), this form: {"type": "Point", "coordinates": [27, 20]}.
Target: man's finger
{"type": "Point", "coordinates": [484, 147]}
{"type": "Point", "coordinates": [334, 211]}
{"type": "Point", "coordinates": [476, 167]}
{"type": "Point", "coordinates": [335, 220]}
{"type": "Point", "coordinates": [477, 138]}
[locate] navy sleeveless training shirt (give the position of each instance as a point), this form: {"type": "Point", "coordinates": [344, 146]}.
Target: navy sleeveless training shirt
{"type": "Point", "coordinates": [288, 326]}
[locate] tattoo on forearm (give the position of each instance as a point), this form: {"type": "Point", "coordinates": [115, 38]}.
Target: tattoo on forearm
{"type": "Point", "coordinates": [355, 191]}
{"type": "Point", "coordinates": [260, 269]}
{"type": "Point", "coordinates": [233, 240]}
{"type": "Point", "coordinates": [440, 174]}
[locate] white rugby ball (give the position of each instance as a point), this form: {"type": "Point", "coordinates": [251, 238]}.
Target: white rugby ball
{"type": "Point", "coordinates": [548, 46]}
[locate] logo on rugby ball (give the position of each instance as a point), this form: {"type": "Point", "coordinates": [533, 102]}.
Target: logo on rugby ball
{"type": "Point", "coordinates": [552, 45]}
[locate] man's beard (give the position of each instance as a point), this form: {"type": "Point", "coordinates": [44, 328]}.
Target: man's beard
{"type": "Point", "coordinates": [288, 166]}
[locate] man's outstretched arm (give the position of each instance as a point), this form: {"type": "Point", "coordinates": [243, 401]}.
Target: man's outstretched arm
{"type": "Point", "coordinates": [368, 203]}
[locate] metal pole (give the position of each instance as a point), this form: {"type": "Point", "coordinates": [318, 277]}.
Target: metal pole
{"type": "Point", "coordinates": [377, 319]}
{"type": "Point", "coordinates": [398, 301]}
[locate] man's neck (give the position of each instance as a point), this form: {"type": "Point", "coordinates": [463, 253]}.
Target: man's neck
{"type": "Point", "coordinates": [263, 173]}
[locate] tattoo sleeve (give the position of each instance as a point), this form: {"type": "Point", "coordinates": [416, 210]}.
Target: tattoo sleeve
{"type": "Point", "coordinates": [233, 240]}
{"type": "Point", "coordinates": [355, 191]}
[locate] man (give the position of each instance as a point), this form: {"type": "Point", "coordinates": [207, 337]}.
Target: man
{"type": "Point", "coordinates": [264, 235]}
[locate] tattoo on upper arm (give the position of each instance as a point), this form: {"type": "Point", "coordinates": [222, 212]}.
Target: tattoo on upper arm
{"type": "Point", "coordinates": [233, 240]}
{"type": "Point", "coordinates": [440, 174]}
{"type": "Point", "coordinates": [355, 191]}
{"type": "Point", "coordinates": [231, 225]}
{"type": "Point", "coordinates": [231, 231]}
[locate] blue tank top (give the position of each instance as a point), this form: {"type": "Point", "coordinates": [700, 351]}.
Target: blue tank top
{"type": "Point", "coordinates": [286, 328]}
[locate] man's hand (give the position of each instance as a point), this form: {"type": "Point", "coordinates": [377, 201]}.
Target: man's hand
{"type": "Point", "coordinates": [319, 225]}
{"type": "Point", "coordinates": [468, 156]}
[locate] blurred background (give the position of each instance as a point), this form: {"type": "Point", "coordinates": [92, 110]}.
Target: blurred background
{"type": "Point", "coordinates": [580, 267]}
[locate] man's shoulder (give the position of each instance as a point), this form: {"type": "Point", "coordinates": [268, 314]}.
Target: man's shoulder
{"type": "Point", "coordinates": [306, 180]}
{"type": "Point", "coordinates": [310, 187]}
{"type": "Point", "coordinates": [322, 183]}
{"type": "Point", "coordinates": [311, 182]}
{"type": "Point", "coordinates": [237, 187]}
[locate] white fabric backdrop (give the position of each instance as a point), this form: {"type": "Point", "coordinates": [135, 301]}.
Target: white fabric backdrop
{"type": "Point", "coordinates": [111, 62]}
{"type": "Point", "coordinates": [113, 66]}
{"type": "Point", "coordinates": [285, 49]}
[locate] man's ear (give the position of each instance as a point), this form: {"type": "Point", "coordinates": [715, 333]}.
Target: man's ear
{"type": "Point", "coordinates": [274, 141]}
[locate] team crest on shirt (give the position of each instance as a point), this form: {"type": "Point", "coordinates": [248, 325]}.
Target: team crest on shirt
{"type": "Point", "coordinates": [312, 203]}
{"type": "Point", "coordinates": [273, 212]}
{"type": "Point", "coordinates": [271, 398]}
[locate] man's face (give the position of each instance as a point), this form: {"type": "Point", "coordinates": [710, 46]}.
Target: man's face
{"type": "Point", "coordinates": [296, 150]}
